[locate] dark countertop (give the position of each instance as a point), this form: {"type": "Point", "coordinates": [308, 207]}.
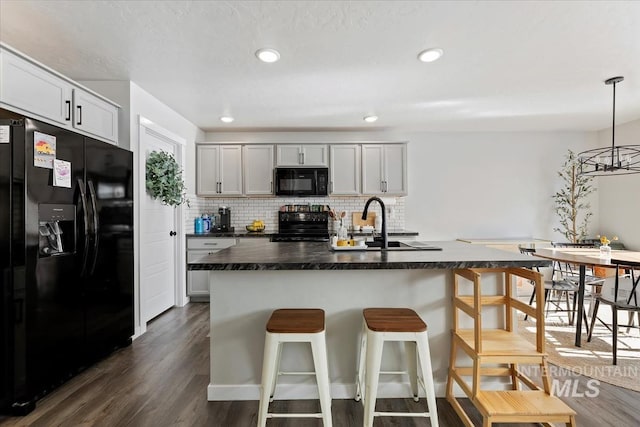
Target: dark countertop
{"type": "Point", "coordinates": [242, 233]}
{"type": "Point", "coordinates": [265, 255]}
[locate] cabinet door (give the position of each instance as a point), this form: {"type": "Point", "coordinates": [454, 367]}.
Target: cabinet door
{"type": "Point", "coordinates": [314, 155]}
{"type": "Point", "coordinates": [95, 116]}
{"type": "Point", "coordinates": [372, 168]}
{"type": "Point", "coordinates": [198, 285]}
{"type": "Point", "coordinates": [28, 87]}
{"type": "Point", "coordinates": [345, 169]}
{"type": "Point", "coordinates": [207, 164]}
{"type": "Point", "coordinates": [288, 155]}
{"type": "Point", "coordinates": [230, 170]}
{"type": "Point", "coordinates": [258, 169]}
{"type": "Point", "coordinates": [197, 248]}
{"type": "Point", "coordinates": [395, 170]}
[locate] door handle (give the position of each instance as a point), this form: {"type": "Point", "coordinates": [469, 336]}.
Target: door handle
{"type": "Point", "coordinates": [172, 233]}
{"type": "Point", "coordinates": [79, 107]}
{"type": "Point", "coordinates": [96, 225]}
{"type": "Point", "coordinates": [68, 110]}
{"type": "Point", "coordinates": [85, 215]}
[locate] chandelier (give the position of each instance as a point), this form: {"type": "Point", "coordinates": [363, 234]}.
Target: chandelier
{"type": "Point", "coordinates": [620, 160]}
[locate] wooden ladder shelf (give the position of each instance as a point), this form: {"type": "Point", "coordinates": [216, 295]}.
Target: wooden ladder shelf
{"type": "Point", "coordinates": [503, 350]}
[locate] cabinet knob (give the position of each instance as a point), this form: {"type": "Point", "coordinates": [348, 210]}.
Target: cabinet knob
{"type": "Point", "coordinates": [172, 233]}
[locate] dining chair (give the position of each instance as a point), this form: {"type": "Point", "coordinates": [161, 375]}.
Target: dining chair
{"type": "Point", "coordinates": [618, 302]}
{"type": "Point", "coordinates": [557, 285]}
{"type": "Point", "coordinates": [571, 272]}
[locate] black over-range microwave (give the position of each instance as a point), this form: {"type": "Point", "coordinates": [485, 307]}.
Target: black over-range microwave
{"type": "Point", "coordinates": [309, 181]}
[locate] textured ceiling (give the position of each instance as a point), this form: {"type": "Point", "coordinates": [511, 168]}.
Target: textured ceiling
{"type": "Point", "coordinates": [520, 65]}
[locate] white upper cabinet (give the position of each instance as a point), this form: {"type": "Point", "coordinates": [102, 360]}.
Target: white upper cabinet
{"type": "Point", "coordinates": [384, 169]}
{"type": "Point", "coordinates": [218, 170]}
{"type": "Point", "coordinates": [34, 90]}
{"type": "Point", "coordinates": [301, 155]}
{"type": "Point", "coordinates": [94, 116]}
{"type": "Point", "coordinates": [258, 169]}
{"type": "Point", "coordinates": [395, 169]}
{"type": "Point", "coordinates": [345, 169]}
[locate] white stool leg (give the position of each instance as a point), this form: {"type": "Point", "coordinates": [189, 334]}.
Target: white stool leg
{"type": "Point", "coordinates": [271, 343]}
{"type": "Point", "coordinates": [361, 364]}
{"type": "Point", "coordinates": [427, 375]}
{"type": "Point", "coordinates": [276, 370]}
{"type": "Point", "coordinates": [411, 355]}
{"type": "Point", "coordinates": [319, 350]}
{"type": "Point", "coordinates": [375, 341]}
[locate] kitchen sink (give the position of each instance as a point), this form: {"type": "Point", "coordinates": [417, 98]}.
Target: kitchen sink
{"type": "Point", "coordinates": [394, 245]}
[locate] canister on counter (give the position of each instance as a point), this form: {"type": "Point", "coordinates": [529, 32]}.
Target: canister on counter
{"type": "Point", "coordinates": [206, 219]}
{"type": "Point", "coordinates": [198, 226]}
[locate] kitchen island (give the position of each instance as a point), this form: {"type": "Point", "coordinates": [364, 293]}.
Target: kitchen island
{"type": "Point", "coordinates": [248, 281]}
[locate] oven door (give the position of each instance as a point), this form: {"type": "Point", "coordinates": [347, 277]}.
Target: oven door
{"type": "Point", "coordinates": [301, 181]}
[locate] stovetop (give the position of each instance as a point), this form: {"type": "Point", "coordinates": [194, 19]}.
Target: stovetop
{"type": "Point", "coordinates": [302, 227]}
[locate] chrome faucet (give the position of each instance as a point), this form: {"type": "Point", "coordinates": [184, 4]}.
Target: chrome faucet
{"type": "Point", "coordinates": [385, 243]}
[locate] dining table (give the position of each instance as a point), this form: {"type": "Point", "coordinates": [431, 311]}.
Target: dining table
{"type": "Point", "coordinates": [589, 258]}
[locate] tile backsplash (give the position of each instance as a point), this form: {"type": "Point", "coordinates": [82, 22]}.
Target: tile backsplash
{"type": "Point", "coordinates": [244, 210]}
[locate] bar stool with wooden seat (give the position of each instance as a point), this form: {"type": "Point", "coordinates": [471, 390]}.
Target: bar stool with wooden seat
{"type": "Point", "coordinates": [394, 324]}
{"type": "Point", "coordinates": [294, 325]}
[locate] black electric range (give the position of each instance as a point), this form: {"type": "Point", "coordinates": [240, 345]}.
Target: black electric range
{"type": "Point", "coordinates": [302, 227]}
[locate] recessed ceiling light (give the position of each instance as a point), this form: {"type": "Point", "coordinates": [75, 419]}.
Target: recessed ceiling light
{"type": "Point", "coordinates": [226, 119]}
{"type": "Point", "coordinates": [268, 55]}
{"type": "Point", "coordinates": [370, 119]}
{"type": "Point", "coordinates": [430, 55]}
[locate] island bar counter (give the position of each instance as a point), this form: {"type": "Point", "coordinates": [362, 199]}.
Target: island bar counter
{"type": "Point", "coordinates": [248, 281]}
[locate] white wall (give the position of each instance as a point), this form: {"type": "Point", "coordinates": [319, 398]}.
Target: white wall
{"type": "Point", "coordinates": [482, 185]}
{"type": "Point", "coordinates": [619, 196]}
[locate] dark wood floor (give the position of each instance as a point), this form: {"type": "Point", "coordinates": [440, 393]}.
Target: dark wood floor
{"type": "Point", "coordinates": [161, 380]}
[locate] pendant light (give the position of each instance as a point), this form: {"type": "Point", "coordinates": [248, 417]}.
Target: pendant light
{"type": "Point", "coordinates": [620, 160]}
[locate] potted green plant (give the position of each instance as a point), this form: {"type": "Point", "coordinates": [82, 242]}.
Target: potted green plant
{"type": "Point", "coordinates": [164, 179]}
{"type": "Point", "coordinates": [571, 201]}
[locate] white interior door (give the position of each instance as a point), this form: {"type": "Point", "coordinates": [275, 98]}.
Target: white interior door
{"type": "Point", "coordinates": [157, 244]}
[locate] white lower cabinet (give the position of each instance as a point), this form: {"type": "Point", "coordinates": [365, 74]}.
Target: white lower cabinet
{"type": "Point", "coordinates": [198, 247]}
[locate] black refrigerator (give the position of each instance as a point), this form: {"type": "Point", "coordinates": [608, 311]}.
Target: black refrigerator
{"type": "Point", "coordinates": [66, 256]}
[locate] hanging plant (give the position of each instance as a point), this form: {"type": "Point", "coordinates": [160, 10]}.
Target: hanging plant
{"type": "Point", "coordinates": [571, 203]}
{"type": "Point", "coordinates": [164, 179]}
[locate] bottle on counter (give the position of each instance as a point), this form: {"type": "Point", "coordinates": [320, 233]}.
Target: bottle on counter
{"type": "Point", "coordinates": [198, 225]}
{"type": "Point", "coordinates": [378, 224]}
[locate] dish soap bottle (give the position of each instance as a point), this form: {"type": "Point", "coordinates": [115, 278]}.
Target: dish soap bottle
{"type": "Point", "coordinates": [378, 224]}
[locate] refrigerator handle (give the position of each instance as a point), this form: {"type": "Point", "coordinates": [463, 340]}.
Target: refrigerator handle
{"type": "Point", "coordinates": [83, 199]}
{"type": "Point", "coordinates": [96, 225]}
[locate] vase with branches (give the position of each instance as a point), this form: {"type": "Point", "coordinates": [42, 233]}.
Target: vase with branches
{"type": "Point", "coordinates": [571, 201]}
